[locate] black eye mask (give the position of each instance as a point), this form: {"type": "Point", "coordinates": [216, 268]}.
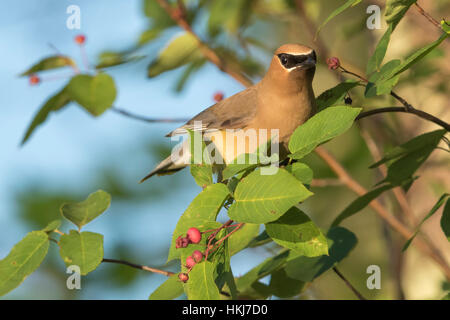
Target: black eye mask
{"type": "Point", "coordinates": [289, 61]}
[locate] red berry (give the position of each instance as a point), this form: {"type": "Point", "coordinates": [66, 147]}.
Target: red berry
{"type": "Point", "coordinates": [218, 96]}
{"type": "Point", "coordinates": [333, 63]}
{"type": "Point", "coordinates": [190, 262]}
{"type": "Point", "coordinates": [80, 39]}
{"type": "Point", "coordinates": [34, 79]}
{"type": "Point", "coordinates": [194, 235]}
{"type": "Point", "coordinates": [183, 277]}
{"type": "Point", "coordinates": [197, 255]}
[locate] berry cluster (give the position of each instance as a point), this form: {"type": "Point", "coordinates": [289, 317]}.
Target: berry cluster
{"type": "Point", "coordinates": [193, 235]}
{"type": "Point", "coordinates": [191, 261]}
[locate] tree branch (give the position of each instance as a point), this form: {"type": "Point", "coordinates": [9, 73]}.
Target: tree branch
{"type": "Point", "coordinates": [209, 53]}
{"type": "Point", "coordinates": [356, 292]}
{"type": "Point", "coordinates": [138, 266]}
{"type": "Point", "coordinates": [419, 113]}
{"type": "Point", "coordinates": [427, 15]}
{"type": "Point", "coordinates": [146, 119]}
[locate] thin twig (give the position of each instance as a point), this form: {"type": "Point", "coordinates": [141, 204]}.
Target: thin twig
{"type": "Point", "coordinates": [356, 292]}
{"type": "Point", "coordinates": [427, 15]}
{"type": "Point", "coordinates": [419, 113]}
{"type": "Point", "coordinates": [138, 266]}
{"type": "Point", "coordinates": [213, 235]}
{"type": "Point", "coordinates": [326, 183]}
{"type": "Point", "coordinates": [146, 119]}
{"type": "Point", "coordinates": [240, 225]}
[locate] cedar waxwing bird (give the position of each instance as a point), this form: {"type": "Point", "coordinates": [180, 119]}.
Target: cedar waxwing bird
{"type": "Point", "coordinates": [281, 101]}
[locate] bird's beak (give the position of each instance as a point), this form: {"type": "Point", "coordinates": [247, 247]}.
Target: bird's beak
{"type": "Point", "coordinates": [308, 63]}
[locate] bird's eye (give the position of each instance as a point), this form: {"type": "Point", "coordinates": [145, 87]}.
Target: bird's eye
{"type": "Point", "coordinates": [284, 60]}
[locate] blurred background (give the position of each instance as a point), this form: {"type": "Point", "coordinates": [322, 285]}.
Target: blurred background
{"type": "Point", "coordinates": [74, 154]}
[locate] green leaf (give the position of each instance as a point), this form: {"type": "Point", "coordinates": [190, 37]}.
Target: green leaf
{"type": "Point", "coordinates": [148, 35]}
{"type": "Point", "coordinates": [201, 169]}
{"type": "Point", "coordinates": [24, 258]}
{"type": "Point", "coordinates": [380, 82]}
{"type": "Point", "coordinates": [84, 250]}
{"type": "Point", "coordinates": [335, 94]}
{"type": "Point", "coordinates": [52, 226]}
{"type": "Point", "coordinates": [228, 14]}
{"type": "Point", "coordinates": [301, 171]}
{"type": "Point", "coordinates": [322, 127]}
{"type": "Point", "coordinates": [96, 94]}
{"type": "Point", "coordinates": [48, 63]}
{"type": "Point", "coordinates": [248, 161]}
{"type": "Point", "coordinates": [55, 103]}
{"type": "Point", "coordinates": [201, 285]}
{"type": "Point", "coordinates": [80, 213]}
{"type": "Point", "coordinates": [223, 275]}
{"type": "Point", "coordinates": [360, 203]}
{"type": "Point", "coordinates": [202, 174]}
{"type": "Point", "coordinates": [170, 289]}
{"type": "Point", "coordinates": [263, 269]}
{"type": "Point", "coordinates": [242, 238]}
{"type": "Point", "coordinates": [295, 230]}
{"type": "Point", "coordinates": [402, 169]}
{"type": "Point", "coordinates": [260, 240]}
{"type": "Point", "coordinates": [201, 213]}
{"type": "Point", "coordinates": [256, 291]}
{"type": "Point", "coordinates": [180, 51]}
{"type": "Point", "coordinates": [433, 210]}
{"type": "Point", "coordinates": [346, 5]}
{"type": "Point", "coordinates": [445, 26]}
{"type": "Point", "coordinates": [264, 198]}
{"type": "Point", "coordinates": [417, 56]}
{"type": "Point", "coordinates": [416, 143]}
{"type": "Point", "coordinates": [159, 17]}
{"type": "Point", "coordinates": [376, 59]}
{"type": "Point", "coordinates": [340, 241]}
{"type": "Point", "coordinates": [283, 286]}
{"type": "Point", "coordinates": [112, 58]}
{"type": "Point", "coordinates": [396, 9]}
{"type": "Point", "coordinates": [445, 220]}
{"type": "Point", "coordinates": [190, 70]}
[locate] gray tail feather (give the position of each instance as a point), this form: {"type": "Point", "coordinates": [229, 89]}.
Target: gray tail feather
{"type": "Point", "coordinates": [162, 169]}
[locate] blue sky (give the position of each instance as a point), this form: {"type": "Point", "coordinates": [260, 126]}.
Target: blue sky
{"type": "Point", "coordinates": [67, 151]}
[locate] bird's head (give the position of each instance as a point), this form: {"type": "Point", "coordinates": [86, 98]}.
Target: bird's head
{"type": "Point", "coordinates": [293, 64]}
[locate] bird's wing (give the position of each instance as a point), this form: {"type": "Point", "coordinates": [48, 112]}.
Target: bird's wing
{"type": "Point", "coordinates": [232, 113]}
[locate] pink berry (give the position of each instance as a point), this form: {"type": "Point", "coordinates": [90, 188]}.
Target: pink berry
{"type": "Point", "coordinates": [194, 235]}
{"type": "Point", "coordinates": [218, 96]}
{"type": "Point", "coordinates": [80, 39]}
{"type": "Point", "coordinates": [34, 80]}
{"type": "Point", "coordinates": [183, 277]}
{"type": "Point", "coordinates": [197, 255]}
{"type": "Point", "coordinates": [333, 63]}
{"type": "Point", "coordinates": [190, 262]}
